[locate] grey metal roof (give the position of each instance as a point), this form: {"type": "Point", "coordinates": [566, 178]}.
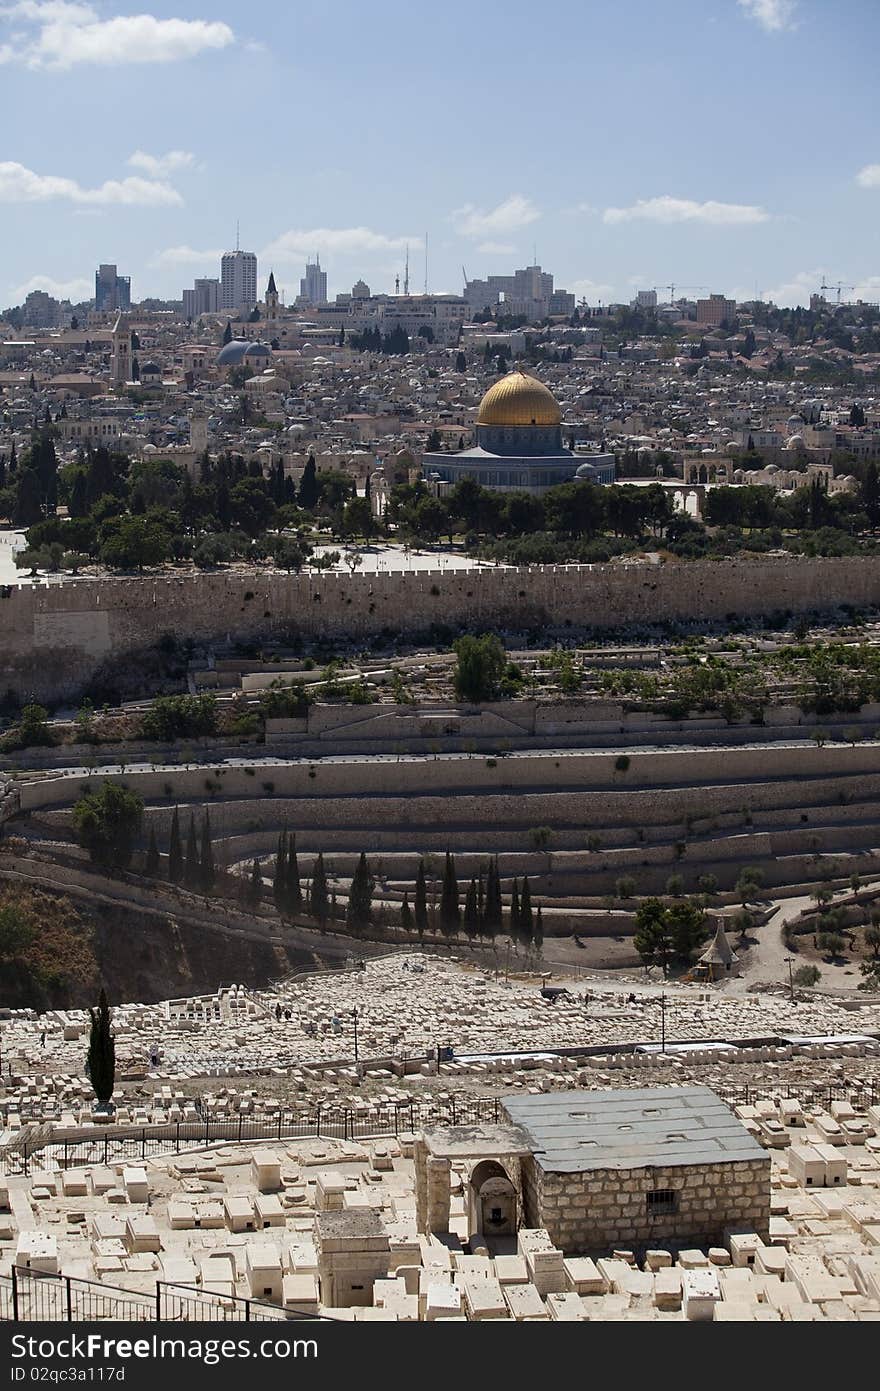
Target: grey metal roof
{"type": "Point", "coordinates": [574, 1132]}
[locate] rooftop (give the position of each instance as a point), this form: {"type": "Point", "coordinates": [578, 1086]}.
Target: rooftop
{"type": "Point", "coordinates": [574, 1132]}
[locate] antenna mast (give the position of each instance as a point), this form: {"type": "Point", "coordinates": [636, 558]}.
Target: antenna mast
{"type": "Point", "coordinates": [237, 235]}
{"type": "Point", "coordinates": [426, 263]}
{"type": "Point", "coordinates": [406, 273]}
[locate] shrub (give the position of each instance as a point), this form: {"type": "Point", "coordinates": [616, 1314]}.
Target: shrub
{"type": "Point", "coordinates": [625, 887]}
{"type": "Point", "coordinates": [806, 975]}
{"type": "Point", "coordinates": [107, 823]}
{"type": "Point", "coordinates": [180, 717]}
{"type": "Point", "coordinates": [280, 702]}
{"type": "Point", "coordinates": [621, 762]}
{"type": "Point", "coordinates": [541, 836]}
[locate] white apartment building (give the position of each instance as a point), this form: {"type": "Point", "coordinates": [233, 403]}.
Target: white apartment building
{"type": "Point", "coordinates": [238, 281]}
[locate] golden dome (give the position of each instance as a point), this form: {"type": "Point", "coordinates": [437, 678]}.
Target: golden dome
{"type": "Point", "coordinates": [519, 399]}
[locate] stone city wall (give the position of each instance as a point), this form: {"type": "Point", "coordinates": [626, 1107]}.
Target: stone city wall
{"type": "Point", "coordinates": [600, 1209]}
{"type": "Point", "coordinates": [54, 638]}
{"type": "Point", "coordinates": [753, 775]}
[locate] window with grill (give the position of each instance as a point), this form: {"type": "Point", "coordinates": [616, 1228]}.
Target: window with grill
{"type": "Point", "coordinates": [661, 1202]}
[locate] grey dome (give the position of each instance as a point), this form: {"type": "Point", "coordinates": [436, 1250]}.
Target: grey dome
{"type": "Point", "coordinates": [239, 350]}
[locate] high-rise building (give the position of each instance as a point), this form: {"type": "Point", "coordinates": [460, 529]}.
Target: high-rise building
{"type": "Point", "coordinates": [238, 280]}
{"type": "Point", "coordinates": [646, 299]}
{"type": "Point", "coordinates": [716, 310]}
{"type": "Point", "coordinates": [313, 286]}
{"type": "Point", "coordinates": [527, 292]}
{"type": "Point", "coordinates": [203, 298]}
{"type": "Point", "coordinates": [112, 291]}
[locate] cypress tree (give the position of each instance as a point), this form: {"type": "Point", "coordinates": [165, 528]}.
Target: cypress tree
{"type": "Point", "coordinates": [514, 912]}
{"type": "Point", "coordinates": [538, 934]}
{"type": "Point", "coordinates": [359, 910]}
{"type": "Point", "coordinates": [101, 1057]}
{"type": "Point", "coordinates": [192, 868]}
{"type": "Point", "coordinates": [471, 912]}
{"type": "Point", "coordinates": [175, 851]}
{"type": "Point", "coordinates": [308, 484]}
{"type": "Point", "coordinates": [493, 917]}
{"type": "Point", "coordinates": [481, 905]}
{"type": "Point", "coordinates": [406, 916]}
{"type": "Point", "coordinates": [450, 913]}
{"type": "Point", "coordinates": [207, 873]}
{"type": "Point", "coordinates": [255, 884]}
{"type": "Point", "coordinates": [318, 900]}
{"type": "Point", "coordinates": [421, 901]}
{"type": "Point", "coordinates": [279, 881]}
{"type": "Point", "coordinates": [526, 919]}
{"type": "Point", "coordinates": [293, 889]}
{"type": "Point", "coordinates": [151, 859]}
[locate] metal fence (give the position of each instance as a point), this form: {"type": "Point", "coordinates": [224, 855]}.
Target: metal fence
{"type": "Point", "coordinates": [331, 1122]}
{"type": "Point", "coordinates": [31, 1296]}
{"type": "Point", "coordinates": [35, 1155]}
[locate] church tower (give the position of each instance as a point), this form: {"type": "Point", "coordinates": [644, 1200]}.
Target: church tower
{"type": "Point", "coordinates": [120, 363]}
{"type": "Point", "coordinates": [271, 304]}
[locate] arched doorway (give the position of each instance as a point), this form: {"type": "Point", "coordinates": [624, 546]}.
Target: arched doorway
{"type": "Point", "coordinates": [492, 1200]}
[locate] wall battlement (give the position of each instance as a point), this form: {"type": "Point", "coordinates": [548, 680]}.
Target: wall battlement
{"type": "Point", "coordinates": [54, 638]}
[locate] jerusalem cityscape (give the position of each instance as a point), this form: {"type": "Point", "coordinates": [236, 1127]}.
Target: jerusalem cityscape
{"type": "Point", "coordinates": [439, 666]}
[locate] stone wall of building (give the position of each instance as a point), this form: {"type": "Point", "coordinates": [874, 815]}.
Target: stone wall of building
{"type": "Point", "coordinates": [596, 1211]}
{"type": "Point", "coordinates": [54, 638]}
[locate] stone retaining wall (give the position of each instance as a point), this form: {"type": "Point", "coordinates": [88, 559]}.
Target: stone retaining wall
{"type": "Point", "coordinates": [54, 638]}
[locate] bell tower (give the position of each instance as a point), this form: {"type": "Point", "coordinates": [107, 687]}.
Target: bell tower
{"type": "Point", "coordinates": [120, 364]}
{"type": "Point", "coordinates": [271, 303]}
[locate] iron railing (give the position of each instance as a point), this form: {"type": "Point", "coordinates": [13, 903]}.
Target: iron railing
{"type": "Point", "coordinates": [32, 1296]}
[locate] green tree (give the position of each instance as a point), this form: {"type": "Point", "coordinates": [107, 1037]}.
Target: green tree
{"type": "Point", "coordinates": [359, 910]}
{"type": "Point", "coordinates": [255, 885]}
{"type": "Point", "coordinates": [406, 916]}
{"type": "Point", "coordinates": [513, 921]}
{"type": "Point", "coordinates": [538, 934]}
{"type": "Point", "coordinates": [175, 851]}
{"type": "Point", "coordinates": [493, 913]}
{"type": "Point", "coordinates": [481, 665]}
{"type": "Point", "coordinates": [151, 859]}
{"type": "Point", "coordinates": [653, 936]}
{"type": "Point", "coordinates": [687, 926]}
{"type": "Point", "coordinates": [307, 496]}
{"type": "Point", "coordinates": [421, 900]}
{"type": "Point", "coordinates": [526, 919]}
{"type": "Point", "coordinates": [471, 921]}
{"type": "Point", "coordinates": [107, 823]}
{"type": "Point", "coordinates": [450, 912]}
{"type": "Point", "coordinates": [319, 899]}
{"type": "Point", "coordinates": [357, 518]}
{"type": "Point", "coordinates": [292, 887]}
{"type": "Point", "coordinates": [33, 727]}
{"type": "Point", "coordinates": [192, 870]}
{"type": "Point", "coordinates": [180, 717]}
{"type": "Point", "coordinates": [207, 873]}
{"type": "Point", "coordinates": [279, 879]}
{"type": "Point", "coordinates": [101, 1057]}
{"type": "Point", "coordinates": [17, 931]}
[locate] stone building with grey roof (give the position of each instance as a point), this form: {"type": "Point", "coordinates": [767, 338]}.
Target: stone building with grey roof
{"type": "Point", "coordinates": [603, 1169]}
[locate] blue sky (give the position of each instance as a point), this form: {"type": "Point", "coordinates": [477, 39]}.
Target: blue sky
{"type": "Point", "coordinates": [731, 144]}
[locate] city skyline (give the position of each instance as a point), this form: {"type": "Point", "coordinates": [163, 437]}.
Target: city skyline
{"type": "Point", "coordinates": [622, 164]}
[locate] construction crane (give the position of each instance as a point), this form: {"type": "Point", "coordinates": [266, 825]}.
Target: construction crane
{"type": "Point", "coordinates": [464, 273]}
{"type": "Point", "coordinates": [672, 288]}
{"type": "Point", "coordinates": [838, 288]}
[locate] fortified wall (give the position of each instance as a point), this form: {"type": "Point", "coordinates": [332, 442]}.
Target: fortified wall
{"type": "Point", "coordinates": [54, 638]}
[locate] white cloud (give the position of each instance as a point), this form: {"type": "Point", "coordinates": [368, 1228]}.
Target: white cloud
{"type": "Point", "coordinates": [772, 15]}
{"type": "Point", "coordinates": [21, 185]}
{"type": "Point", "coordinates": [185, 256]}
{"type": "Point", "coordinates": [590, 290]}
{"type": "Point", "coordinates": [668, 209]}
{"type": "Point", "coordinates": [64, 35]}
{"type": "Point", "coordinates": [515, 212]}
{"type": "Point", "coordinates": [343, 241]}
{"type": "Point", "coordinates": [158, 166]}
{"type": "Point", "coordinates": [869, 177]}
{"type": "Point", "coordinates": [75, 290]}
{"type": "Point", "coordinates": [497, 248]}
